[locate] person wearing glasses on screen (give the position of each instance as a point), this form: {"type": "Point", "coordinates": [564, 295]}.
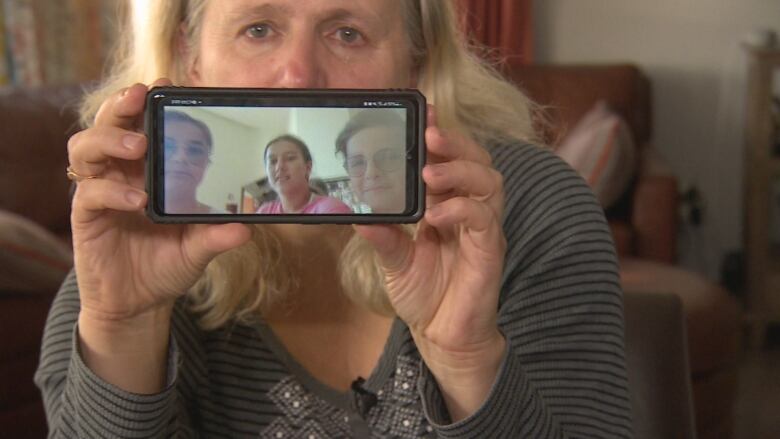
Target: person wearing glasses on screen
{"type": "Point", "coordinates": [373, 145]}
{"type": "Point", "coordinates": [188, 145]}
{"type": "Point", "coordinates": [498, 315]}
{"type": "Point", "coordinates": [288, 165]}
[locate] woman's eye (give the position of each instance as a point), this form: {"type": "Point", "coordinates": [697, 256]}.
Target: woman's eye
{"type": "Point", "coordinates": [195, 151]}
{"type": "Point", "coordinates": [348, 35]}
{"type": "Point", "coordinates": [356, 162]}
{"type": "Point", "coordinates": [260, 30]}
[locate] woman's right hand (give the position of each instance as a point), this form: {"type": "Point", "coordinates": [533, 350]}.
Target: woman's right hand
{"type": "Point", "coordinates": [128, 267]}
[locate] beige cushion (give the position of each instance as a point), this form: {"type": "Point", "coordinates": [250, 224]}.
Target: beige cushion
{"type": "Point", "coordinates": [31, 258]}
{"type": "Point", "coordinates": [600, 147]}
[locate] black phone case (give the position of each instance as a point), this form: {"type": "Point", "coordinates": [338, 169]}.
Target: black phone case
{"type": "Point", "coordinates": [350, 98]}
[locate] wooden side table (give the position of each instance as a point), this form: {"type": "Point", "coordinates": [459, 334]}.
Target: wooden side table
{"type": "Point", "coordinates": [762, 195]}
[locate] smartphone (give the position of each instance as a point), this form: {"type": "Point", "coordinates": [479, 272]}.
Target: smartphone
{"type": "Point", "coordinates": [221, 155]}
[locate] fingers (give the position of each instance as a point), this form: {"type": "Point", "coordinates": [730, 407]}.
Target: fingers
{"type": "Point", "coordinates": [114, 133]}
{"type": "Point", "coordinates": [124, 108]}
{"type": "Point", "coordinates": [430, 115]}
{"type": "Point", "coordinates": [459, 166]}
{"type": "Point", "coordinates": [94, 197]}
{"type": "Point", "coordinates": [443, 145]}
{"type": "Point", "coordinates": [204, 242]}
{"type": "Point", "coordinates": [475, 218]}
{"type": "Point", "coordinates": [89, 151]}
{"type": "Point", "coordinates": [393, 246]}
{"type": "Point", "coordinates": [463, 177]}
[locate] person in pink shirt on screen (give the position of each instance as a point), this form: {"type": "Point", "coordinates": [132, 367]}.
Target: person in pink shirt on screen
{"type": "Point", "coordinates": [288, 164]}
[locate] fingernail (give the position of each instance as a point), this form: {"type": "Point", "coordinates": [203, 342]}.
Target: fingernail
{"type": "Point", "coordinates": [434, 210]}
{"type": "Point", "coordinates": [132, 141]}
{"type": "Point", "coordinates": [438, 134]}
{"type": "Point", "coordinates": [135, 198]}
{"type": "Point", "coordinates": [436, 170]}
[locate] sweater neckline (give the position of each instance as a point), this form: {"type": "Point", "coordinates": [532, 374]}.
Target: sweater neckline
{"type": "Point", "coordinates": [382, 371]}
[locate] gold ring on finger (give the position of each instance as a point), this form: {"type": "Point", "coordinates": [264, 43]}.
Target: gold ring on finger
{"type": "Point", "coordinates": [75, 176]}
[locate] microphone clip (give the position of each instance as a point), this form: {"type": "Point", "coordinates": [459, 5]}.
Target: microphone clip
{"type": "Point", "coordinates": [364, 399]}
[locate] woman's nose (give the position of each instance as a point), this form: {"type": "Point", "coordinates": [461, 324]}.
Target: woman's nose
{"type": "Point", "coordinates": [179, 155]}
{"type": "Point", "coordinates": [372, 171]}
{"type": "Point", "coordinates": [300, 63]}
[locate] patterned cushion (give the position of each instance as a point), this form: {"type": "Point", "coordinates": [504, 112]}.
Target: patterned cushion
{"type": "Point", "coordinates": [601, 149]}
{"type": "Point", "coordinates": [31, 258]}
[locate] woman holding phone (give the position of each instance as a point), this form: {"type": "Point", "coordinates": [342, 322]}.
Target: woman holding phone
{"type": "Point", "coordinates": [288, 165]}
{"type": "Point", "coordinates": [498, 315]}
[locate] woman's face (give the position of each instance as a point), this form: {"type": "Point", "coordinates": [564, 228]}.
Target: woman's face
{"type": "Point", "coordinates": [375, 163]}
{"type": "Point", "coordinates": [287, 169]}
{"type": "Point", "coordinates": [302, 44]}
{"type": "Point", "coordinates": [187, 154]}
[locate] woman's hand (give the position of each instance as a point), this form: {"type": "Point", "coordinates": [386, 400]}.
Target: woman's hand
{"type": "Point", "coordinates": [129, 270]}
{"type": "Point", "coordinates": [444, 283]}
{"type": "Point", "coordinates": [125, 264]}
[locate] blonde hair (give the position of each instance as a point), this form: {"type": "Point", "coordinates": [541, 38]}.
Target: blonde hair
{"type": "Point", "coordinates": [470, 97]}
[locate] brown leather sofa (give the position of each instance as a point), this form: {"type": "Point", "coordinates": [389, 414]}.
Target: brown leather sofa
{"type": "Point", "coordinates": [644, 221]}
{"type": "Point", "coordinates": [644, 226]}
{"type": "Point", "coordinates": [35, 126]}
{"type": "Point", "coordinates": [658, 369]}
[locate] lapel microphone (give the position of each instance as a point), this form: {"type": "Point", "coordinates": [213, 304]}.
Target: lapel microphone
{"type": "Point", "coordinates": [364, 399]}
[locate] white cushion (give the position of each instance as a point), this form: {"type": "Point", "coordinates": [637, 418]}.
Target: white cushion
{"type": "Point", "coordinates": [601, 149]}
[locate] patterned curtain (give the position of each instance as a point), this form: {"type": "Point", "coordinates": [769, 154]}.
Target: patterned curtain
{"type": "Point", "coordinates": [502, 25]}
{"type": "Point", "coordinates": [55, 41]}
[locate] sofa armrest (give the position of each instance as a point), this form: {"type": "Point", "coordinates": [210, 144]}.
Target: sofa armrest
{"type": "Point", "coordinates": [654, 213]}
{"type": "Point", "coordinates": [623, 237]}
{"type": "Point", "coordinates": [658, 369]}
{"type": "Point", "coordinates": [24, 316]}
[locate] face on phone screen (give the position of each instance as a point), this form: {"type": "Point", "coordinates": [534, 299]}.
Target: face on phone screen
{"type": "Point", "coordinates": [262, 161]}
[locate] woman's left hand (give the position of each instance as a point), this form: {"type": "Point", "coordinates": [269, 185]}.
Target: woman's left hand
{"type": "Point", "coordinates": [444, 283]}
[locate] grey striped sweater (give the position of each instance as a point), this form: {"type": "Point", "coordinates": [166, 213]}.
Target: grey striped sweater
{"type": "Point", "coordinates": [563, 375]}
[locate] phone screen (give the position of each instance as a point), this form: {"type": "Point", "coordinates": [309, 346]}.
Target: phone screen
{"type": "Point", "coordinates": [285, 156]}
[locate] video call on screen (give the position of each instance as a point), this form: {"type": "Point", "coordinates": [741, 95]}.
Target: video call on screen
{"type": "Point", "coordinates": [218, 160]}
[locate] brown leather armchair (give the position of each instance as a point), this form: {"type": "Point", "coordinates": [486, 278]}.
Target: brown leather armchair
{"type": "Point", "coordinates": [644, 221]}
{"type": "Point", "coordinates": [644, 226]}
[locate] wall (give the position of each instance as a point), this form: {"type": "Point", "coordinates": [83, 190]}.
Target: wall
{"type": "Point", "coordinates": [319, 129]}
{"type": "Point", "coordinates": [234, 161]}
{"type": "Point", "coordinates": [241, 134]}
{"type": "Point", "coordinates": [690, 50]}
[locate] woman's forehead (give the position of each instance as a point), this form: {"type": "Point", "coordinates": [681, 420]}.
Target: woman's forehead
{"type": "Point", "coordinates": [377, 137]}
{"type": "Point", "coordinates": [282, 147]}
{"type": "Point", "coordinates": [378, 11]}
{"type": "Point", "coordinates": [183, 129]}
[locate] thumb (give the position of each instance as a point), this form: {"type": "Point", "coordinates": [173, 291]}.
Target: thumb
{"type": "Point", "coordinates": [393, 246]}
{"type": "Point", "coordinates": [205, 242]}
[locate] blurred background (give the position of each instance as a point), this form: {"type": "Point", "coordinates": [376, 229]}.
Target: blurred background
{"type": "Point", "coordinates": [669, 109]}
